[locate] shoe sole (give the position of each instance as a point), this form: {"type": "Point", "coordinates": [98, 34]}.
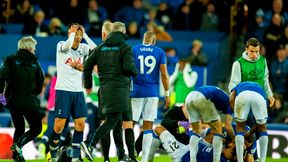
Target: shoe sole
{"type": "Point", "coordinates": [86, 151]}
{"type": "Point", "coordinates": [19, 156]}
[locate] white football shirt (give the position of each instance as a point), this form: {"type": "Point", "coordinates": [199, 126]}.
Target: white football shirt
{"type": "Point", "coordinates": [68, 78]}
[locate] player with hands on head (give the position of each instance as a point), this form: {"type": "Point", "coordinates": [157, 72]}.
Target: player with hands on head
{"type": "Point", "coordinates": [69, 89]}
{"type": "Point", "coordinates": [74, 63]}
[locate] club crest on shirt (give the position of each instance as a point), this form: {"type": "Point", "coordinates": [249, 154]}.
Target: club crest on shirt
{"type": "Point", "coordinates": [71, 60]}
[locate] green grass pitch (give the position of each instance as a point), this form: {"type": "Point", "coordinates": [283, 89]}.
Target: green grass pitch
{"type": "Point", "coordinates": [157, 159]}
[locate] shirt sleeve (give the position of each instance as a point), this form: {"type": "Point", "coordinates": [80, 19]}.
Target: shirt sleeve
{"type": "Point", "coordinates": [86, 49]}
{"type": "Point", "coordinates": [173, 77]}
{"type": "Point", "coordinates": [88, 68]}
{"type": "Point", "coordinates": [4, 73]}
{"type": "Point", "coordinates": [66, 45]}
{"type": "Point", "coordinates": [190, 77]}
{"type": "Point", "coordinates": [128, 61]}
{"type": "Point", "coordinates": [267, 88]}
{"type": "Point", "coordinates": [169, 121]}
{"type": "Point", "coordinates": [235, 75]}
{"type": "Point", "coordinates": [90, 43]}
{"type": "Point", "coordinates": [39, 78]}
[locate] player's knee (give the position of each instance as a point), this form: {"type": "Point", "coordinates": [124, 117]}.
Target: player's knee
{"type": "Point", "coordinates": [79, 125]}
{"type": "Point", "coordinates": [58, 127]}
{"type": "Point", "coordinates": [240, 120]}
{"type": "Point", "coordinates": [261, 121]}
{"type": "Point", "coordinates": [159, 129]}
{"type": "Point", "coordinates": [261, 127]}
{"type": "Point", "coordinates": [127, 124]}
{"type": "Point", "coordinates": [147, 125]}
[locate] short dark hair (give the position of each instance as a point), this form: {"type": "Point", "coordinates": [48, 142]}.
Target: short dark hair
{"type": "Point", "coordinates": [167, 49]}
{"type": "Point", "coordinates": [252, 42]}
{"type": "Point", "coordinates": [69, 26]}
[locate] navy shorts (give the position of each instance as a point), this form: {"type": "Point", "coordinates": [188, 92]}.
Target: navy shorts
{"type": "Point", "coordinates": [70, 103]}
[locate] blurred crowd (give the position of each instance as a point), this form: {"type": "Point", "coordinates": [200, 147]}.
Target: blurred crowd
{"type": "Point", "coordinates": [268, 22]}
{"type": "Point", "coordinates": [51, 16]}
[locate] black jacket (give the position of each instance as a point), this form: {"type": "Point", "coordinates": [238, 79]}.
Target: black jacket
{"type": "Point", "coordinates": [170, 122]}
{"type": "Point", "coordinates": [24, 78]}
{"type": "Point", "coordinates": [115, 66]}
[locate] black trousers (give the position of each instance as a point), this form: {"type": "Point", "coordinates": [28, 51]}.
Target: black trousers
{"type": "Point", "coordinates": [34, 120]}
{"type": "Point", "coordinates": [110, 123]}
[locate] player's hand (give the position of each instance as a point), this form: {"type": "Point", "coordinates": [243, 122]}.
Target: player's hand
{"type": "Point", "coordinates": [185, 125]}
{"type": "Point", "coordinates": [271, 101]}
{"type": "Point", "coordinates": [73, 64]}
{"type": "Point", "coordinates": [3, 100]}
{"type": "Point", "coordinates": [80, 67]}
{"type": "Point", "coordinates": [167, 102]}
{"type": "Point", "coordinates": [73, 28]}
{"type": "Point", "coordinates": [88, 91]}
{"type": "Point", "coordinates": [82, 28]}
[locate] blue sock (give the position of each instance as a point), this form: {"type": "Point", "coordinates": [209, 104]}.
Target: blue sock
{"type": "Point", "coordinates": [55, 140]}
{"type": "Point", "coordinates": [54, 144]}
{"type": "Point", "coordinates": [77, 139]}
{"type": "Point", "coordinates": [44, 139]}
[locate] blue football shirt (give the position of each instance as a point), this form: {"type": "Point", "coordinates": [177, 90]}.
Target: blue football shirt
{"type": "Point", "coordinates": [218, 97]}
{"type": "Point", "coordinates": [250, 86]}
{"type": "Point", "coordinates": [148, 59]}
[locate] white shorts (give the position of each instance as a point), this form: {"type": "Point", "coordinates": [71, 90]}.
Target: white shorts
{"type": "Point", "coordinates": [199, 107]}
{"type": "Point", "coordinates": [175, 149]}
{"type": "Point", "coordinates": [247, 100]}
{"type": "Point", "coordinates": [146, 106]}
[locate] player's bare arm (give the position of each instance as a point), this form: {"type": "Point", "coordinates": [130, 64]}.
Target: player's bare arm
{"type": "Point", "coordinates": [165, 82]}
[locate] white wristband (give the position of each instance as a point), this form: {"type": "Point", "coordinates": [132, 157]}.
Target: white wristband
{"type": "Point", "coordinates": [167, 93]}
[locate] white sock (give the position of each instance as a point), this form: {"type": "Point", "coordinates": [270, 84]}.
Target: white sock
{"type": "Point", "coordinates": [263, 142]}
{"type": "Point", "coordinates": [217, 145]}
{"type": "Point", "coordinates": [193, 143]}
{"type": "Point", "coordinates": [146, 144]}
{"type": "Point", "coordinates": [156, 142]}
{"type": "Point", "coordinates": [74, 159]}
{"type": "Point", "coordinates": [239, 141]}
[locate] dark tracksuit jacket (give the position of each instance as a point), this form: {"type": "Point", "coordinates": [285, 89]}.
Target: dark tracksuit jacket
{"type": "Point", "coordinates": [115, 66]}
{"type": "Point", "coordinates": [170, 122]}
{"type": "Point", "coordinates": [24, 77]}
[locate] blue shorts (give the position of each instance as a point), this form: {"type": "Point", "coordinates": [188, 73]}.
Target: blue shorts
{"type": "Point", "coordinates": [70, 103]}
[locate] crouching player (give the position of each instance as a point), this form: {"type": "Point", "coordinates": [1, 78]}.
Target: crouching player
{"type": "Point", "coordinates": [206, 103]}
{"type": "Point", "coordinates": [181, 153]}
{"type": "Point", "coordinates": [250, 96]}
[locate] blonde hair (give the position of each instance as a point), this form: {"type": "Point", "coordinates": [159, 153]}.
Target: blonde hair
{"type": "Point", "coordinates": [197, 42]}
{"type": "Point", "coordinates": [27, 43]}
{"type": "Point", "coordinates": [149, 37]}
{"type": "Point", "coordinates": [107, 27]}
{"type": "Point", "coordinates": [55, 21]}
{"type": "Point", "coordinates": [119, 27]}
